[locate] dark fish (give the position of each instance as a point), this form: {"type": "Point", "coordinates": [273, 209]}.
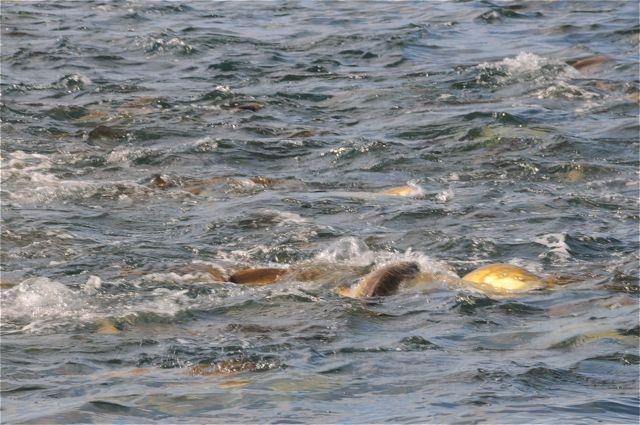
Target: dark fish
{"type": "Point", "coordinates": [382, 282]}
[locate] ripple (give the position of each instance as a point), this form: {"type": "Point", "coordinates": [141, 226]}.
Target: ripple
{"type": "Point", "coordinates": [151, 149]}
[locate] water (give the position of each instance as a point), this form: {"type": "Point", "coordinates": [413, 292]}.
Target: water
{"type": "Point", "coordinates": [274, 127]}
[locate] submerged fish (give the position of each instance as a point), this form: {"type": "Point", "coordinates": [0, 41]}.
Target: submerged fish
{"type": "Point", "coordinates": [589, 61]}
{"type": "Point", "coordinates": [408, 190]}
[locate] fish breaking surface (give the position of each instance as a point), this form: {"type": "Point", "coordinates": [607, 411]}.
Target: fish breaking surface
{"type": "Point", "coordinates": [188, 189]}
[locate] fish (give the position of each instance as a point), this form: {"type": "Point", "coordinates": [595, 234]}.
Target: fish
{"type": "Point", "coordinates": [383, 281]}
{"type": "Point", "coordinates": [589, 61]}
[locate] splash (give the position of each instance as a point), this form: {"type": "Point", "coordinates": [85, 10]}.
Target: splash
{"type": "Point", "coordinates": [349, 251]}
{"type": "Point", "coordinates": [93, 284]}
{"type": "Point", "coordinates": [74, 82]}
{"type": "Point", "coordinates": [43, 305]}
{"type": "Point", "coordinates": [524, 67]}
{"type": "Point", "coordinates": [428, 265]}
{"type": "Point", "coordinates": [26, 178]}
{"type": "Point", "coordinates": [163, 46]}
{"type": "Point", "coordinates": [564, 90]}
{"type": "Point", "coordinates": [559, 250]}
{"type": "Point", "coordinates": [282, 218]}
{"type": "Point", "coordinates": [40, 298]}
{"type": "Point", "coordinates": [25, 162]}
{"type": "Point", "coordinates": [352, 251]}
{"type": "Point", "coordinates": [524, 63]}
{"type": "Point", "coordinates": [125, 157]}
{"type": "Point", "coordinates": [444, 196]}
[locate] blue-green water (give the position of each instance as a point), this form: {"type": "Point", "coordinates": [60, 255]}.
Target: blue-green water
{"type": "Point", "coordinates": [275, 126]}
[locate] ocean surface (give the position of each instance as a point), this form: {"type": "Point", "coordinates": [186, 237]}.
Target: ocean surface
{"type": "Point", "coordinates": [149, 148]}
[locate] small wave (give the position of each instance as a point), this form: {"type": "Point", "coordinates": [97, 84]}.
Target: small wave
{"type": "Point", "coordinates": [444, 196]}
{"type": "Point", "coordinates": [267, 218]}
{"type": "Point", "coordinates": [617, 357]}
{"type": "Point", "coordinates": [353, 149]}
{"type": "Point", "coordinates": [557, 244]}
{"type": "Point", "coordinates": [498, 14]}
{"type": "Point", "coordinates": [594, 338]}
{"type": "Point", "coordinates": [49, 189]}
{"type": "Point", "coordinates": [165, 302]}
{"type": "Point", "coordinates": [564, 90]}
{"type": "Point", "coordinates": [348, 250]}
{"type": "Point", "coordinates": [352, 251]}
{"type": "Point", "coordinates": [282, 218]}
{"type": "Point", "coordinates": [219, 92]}
{"type": "Point", "coordinates": [25, 179]}
{"type": "Point", "coordinates": [410, 343]}
{"type": "Point", "coordinates": [205, 144]}
{"type": "Point", "coordinates": [165, 45]}
{"type": "Point", "coordinates": [525, 66]}
{"type": "Point", "coordinates": [41, 305]}
{"type": "Point", "coordinates": [177, 278]}
{"type": "Point", "coordinates": [542, 377]}
{"type": "Point", "coordinates": [127, 157]}
{"type": "Point", "coordinates": [24, 162]}
{"type": "Point", "coordinates": [74, 82]}
{"type": "Point", "coordinates": [36, 300]}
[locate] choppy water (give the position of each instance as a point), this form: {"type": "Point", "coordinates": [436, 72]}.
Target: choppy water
{"type": "Point", "coordinates": [297, 115]}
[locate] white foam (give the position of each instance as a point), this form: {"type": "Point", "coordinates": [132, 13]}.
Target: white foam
{"type": "Point", "coordinates": [416, 190]}
{"type": "Point", "coordinates": [223, 88]}
{"type": "Point", "coordinates": [524, 63]}
{"type": "Point", "coordinates": [532, 266]}
{"type": "Point", "coordinates": [28, 162]}
{"type": "Point", "coordinates": [162, 46]}
{"type": "Point", "coordinates": [350, 250]}
{"type": "Point", "coordinates": [103, 8]}
{"type": "Point", "coordinates": [75, 81]}
{"type": "Point", "coordinates": [125, 156]}
{"type": "Point", "coordinates": [531, 67]}
{"type": "Point", "coordinates": [25, 178]}
{"type": "Point", "coordinates": [40, 304]}
{"type": "Point", "coordinates": [19, 162]}
{"type": "Point", "coordinates": [59, 235]}
{"type": "Point", "coordinates": [557, 244]}
{"type": "Point", "coordinates": [51, 188]}
{"type": "Point", "coordinates": [282, 218]}
{"type": "Point", "coordinates": [427, 264]}
{"type": "Point", "coordinates": [353, 252]}
{"type": "Point", "coordinates": [173, 277]}
{"type": "Point", "coordinates": [39, 298]}
{"type": "Point", "coordinates": [285, 225]}
{"type": "Point", "coordinates": [444, 196]}
{"type": "Point", "coordinates": [243, 183]}
{"type": "Point", "coordinates": [92, 285]}
{"type": "Point", "coordinates": [206, 144]}
{"type": "Point", "coordinates": [165, 302]}
{"type": "Point", "coordinates": [564, 90]}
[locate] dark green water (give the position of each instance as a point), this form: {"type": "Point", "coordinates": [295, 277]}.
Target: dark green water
{"type": "Point", "coordinates": [276, 126]}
